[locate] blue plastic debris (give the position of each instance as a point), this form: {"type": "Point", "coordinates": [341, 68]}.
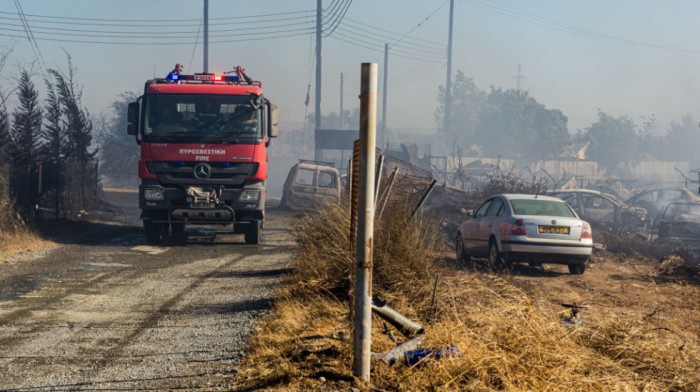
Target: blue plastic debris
{"type": "Point", "coordinates": [413, 357]}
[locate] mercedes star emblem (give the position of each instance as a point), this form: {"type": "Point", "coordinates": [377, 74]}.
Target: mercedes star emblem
{"type": "Point", "coordinates": [202, 171]}
{"type": "Point", "coordinates": [554, 221]}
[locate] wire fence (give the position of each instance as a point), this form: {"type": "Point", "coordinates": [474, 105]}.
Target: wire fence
{"type": "Point", "coordinates": [51, 189]}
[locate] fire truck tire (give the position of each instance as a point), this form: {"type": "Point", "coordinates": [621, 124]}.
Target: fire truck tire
{"type": "Point", "coordinates": [253, 234]}
{"type": "Point", "coordinates": [177, 228]}
{"type": "Point", "coordinates": [153, 231]}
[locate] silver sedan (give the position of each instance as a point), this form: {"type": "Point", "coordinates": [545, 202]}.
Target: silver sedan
{"type": "Point", "coordinates": [536, 229]}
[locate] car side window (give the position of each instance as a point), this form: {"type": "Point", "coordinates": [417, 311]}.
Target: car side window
{"type": "Point", "coordinates": [648, 197]}
{"type": "Point", "coordinates": [496, 208]}
{"type": "Point", "coordinates": [671, 195]}
{"type": "Point", "coordinates": [326, 179]}
{"type": "Point", "coordinates": [569, 198]}
{"type": "Point", "coordinates": [482, 210]}
{"type": "Point", "coordinates": [305, 177]}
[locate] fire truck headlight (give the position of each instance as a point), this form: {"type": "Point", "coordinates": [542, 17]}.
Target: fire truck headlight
{"type": "Point", "coordinates": [249, 195]}
{"type": "Point", "coordinates": [154, 194]}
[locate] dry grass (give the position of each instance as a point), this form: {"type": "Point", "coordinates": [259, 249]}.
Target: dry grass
{"type": "Point", "coordinates": [15, 234]}
{"type": "Point", "coordinates": [511, 339]}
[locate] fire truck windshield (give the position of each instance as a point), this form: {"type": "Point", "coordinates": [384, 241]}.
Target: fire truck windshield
{"type": "Point", "coordinates": [206, 118]}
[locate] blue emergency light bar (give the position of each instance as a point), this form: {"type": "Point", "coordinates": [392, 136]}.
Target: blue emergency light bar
{"type": "Point", "coordinates": [202, 77]}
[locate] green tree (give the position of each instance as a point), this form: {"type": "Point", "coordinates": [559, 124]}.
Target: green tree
{"type": "Point", "coordinates": [54, 145]}
{"type": "Point", "coordinates": [23, 146]}
{"type": "Point", "coordinates": [515, 125]}
{"type": "Point", "coordinates": [4, 126]}
{"type": "Point", "coordinates": [26, 124]}
{"type": "Point", "coordinates": [466, 103]}
{"type": "Point", "coordinates": [613, 142]}
{"type": "Point", "coordinates": [81, 161]}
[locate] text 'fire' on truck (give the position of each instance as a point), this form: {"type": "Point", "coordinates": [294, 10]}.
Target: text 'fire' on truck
{"type": "Point", "coordinates": [203, 158]}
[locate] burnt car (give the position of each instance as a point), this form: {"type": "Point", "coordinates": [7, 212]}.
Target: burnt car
{"type": "Point", "coordinates": [311, 184]}
{"type": "Point", "coordinates": [679, 222]}
{"type": "Point", "coordinates": [600, 207]}
{"type": "Point", "coordinates": [534, 229]}
{"type": "Point", "coordinates": [656, 200]}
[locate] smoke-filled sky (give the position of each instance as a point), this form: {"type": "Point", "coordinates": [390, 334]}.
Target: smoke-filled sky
{"type": "Point", "coordinates": [624, 57]}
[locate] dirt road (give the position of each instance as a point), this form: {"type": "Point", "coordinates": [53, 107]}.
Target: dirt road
{"type": "Point", "coordinates": [106, 311]}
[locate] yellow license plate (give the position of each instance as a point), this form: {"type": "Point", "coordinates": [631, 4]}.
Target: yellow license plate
{"type": "Point", "coordinates": [554, 229]}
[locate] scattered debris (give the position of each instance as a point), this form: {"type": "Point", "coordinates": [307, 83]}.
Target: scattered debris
{"type": "Point", "coordinates": [416, 357]}
{"type": "Point", "coordinates": [573, 318]}
{"type": "Point", "coordinates": [398, 353]}
{"type": "Point", "coordinates": [407, 327]}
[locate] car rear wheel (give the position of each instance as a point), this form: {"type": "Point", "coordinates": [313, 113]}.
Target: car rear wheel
{"type": "Point", "coordinates": [496, 262]}
{"type": "Point", "coordinates": [577, 269]}
{"type": "Point", "coordinates": [462, 256]}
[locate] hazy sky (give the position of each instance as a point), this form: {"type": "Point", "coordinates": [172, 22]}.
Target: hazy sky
{"type": "Point", "coordinates": [622, 57]}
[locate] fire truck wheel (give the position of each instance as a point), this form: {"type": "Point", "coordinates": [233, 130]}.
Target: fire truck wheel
{"type": "Point", "coordinates": [177, 228]}
{"type": "Point", "coordinates": [153, 231]}
{"type": "Point", "coordinates": [253, 233]}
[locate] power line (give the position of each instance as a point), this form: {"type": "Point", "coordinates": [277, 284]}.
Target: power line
{"type": "Point", "coordinates": [367, 45]}
{"type": "Point", "coordinates": [138, 21]}
{"type": "Point", "coordinates": [392, 32]}
{"type": "Point", "coordinates": [340, 18]}
{"type": "Point", "coordinates": [30, 37]}
{"type": "Point", "coordinates": [333, 8]}
{"type": "Point", "coordinates": [418, 25]}
{"type": "Point", "coordinates": [189, 67]}
{"type": "Point", "coordinates": [419, 50]}
{"type": "Point", "coordinates": [146, 34]}
{"type": "Point", "coordinates": [166, 37]}
{"type": "Point", "coordinates": [160, 43]}
{"type": "Point", "coordinates": [553, 24]}
{"type": "Point", "coordinates": [165, 23]}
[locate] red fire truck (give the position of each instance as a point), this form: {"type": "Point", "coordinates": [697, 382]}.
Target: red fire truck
{"type": "Point", "coordinates": [203, 158]}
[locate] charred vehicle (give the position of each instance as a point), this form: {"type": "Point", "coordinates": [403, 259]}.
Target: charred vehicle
{"type": "Point", "coordinates": [311, 184]}
{"type": "Point", "coordinates": [656, 200]}
{"type": "Point", "coordinates": [679, 222]}
{"type": "Point", "coordinates": [600, 207]}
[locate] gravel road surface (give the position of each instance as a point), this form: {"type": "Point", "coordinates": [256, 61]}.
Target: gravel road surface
{"type": "Point", "coordinates": [106, 311]}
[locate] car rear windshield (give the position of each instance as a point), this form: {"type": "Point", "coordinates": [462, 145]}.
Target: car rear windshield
{"type": "Point", "coordinates": [541, 207]}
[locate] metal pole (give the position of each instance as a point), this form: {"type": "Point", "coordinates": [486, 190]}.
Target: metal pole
{"type": "Point", "coordinates": [365, 218]}
{"type": "Point", "coordinates": [206, 36]}
{"type": "Point", "coordinates": [382, 137]}
{"type": "Point", "coordinates": [448, 84]}
{"type": "Point", "coordinates": [319, 25]}
{"type": "Point", "coordinates": [341, 101]}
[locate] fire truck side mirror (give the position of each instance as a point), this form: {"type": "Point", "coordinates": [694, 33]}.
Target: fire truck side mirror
{"type": "Point", "coordinates": [132, 118]}
{"type": "Point", "coordinates": [272, 131]}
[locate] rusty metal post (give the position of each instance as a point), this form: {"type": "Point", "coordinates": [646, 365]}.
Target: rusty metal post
{"type": "Point", "coordinates": [365, 219]}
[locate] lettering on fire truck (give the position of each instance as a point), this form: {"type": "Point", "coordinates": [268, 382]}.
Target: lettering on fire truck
{"type": "Point", "coordinates": [196, 151]}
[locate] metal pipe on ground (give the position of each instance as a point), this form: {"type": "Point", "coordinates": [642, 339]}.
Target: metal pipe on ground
{"type": "Point", "coordinates": [406, 326]}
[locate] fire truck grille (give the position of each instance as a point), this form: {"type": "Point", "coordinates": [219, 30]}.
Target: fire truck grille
{"type": "Point", "coordinates": [214, 173]}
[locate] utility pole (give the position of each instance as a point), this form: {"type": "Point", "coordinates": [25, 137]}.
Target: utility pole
{"type": "Point", "coordinates": [518, 78]}
{"type": "Point", "coordinates": [341, 101]}
{"type": "Point", "coordinates": [319, 25]}
{"type": "Point", "coordinates": [448, 85]}
{"type": "Point", "coordinates": [362, 332]}
{"type": "Point", "coordinates": [206, 36]}
{"type": "Point", "coordinates": [382, 137]}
